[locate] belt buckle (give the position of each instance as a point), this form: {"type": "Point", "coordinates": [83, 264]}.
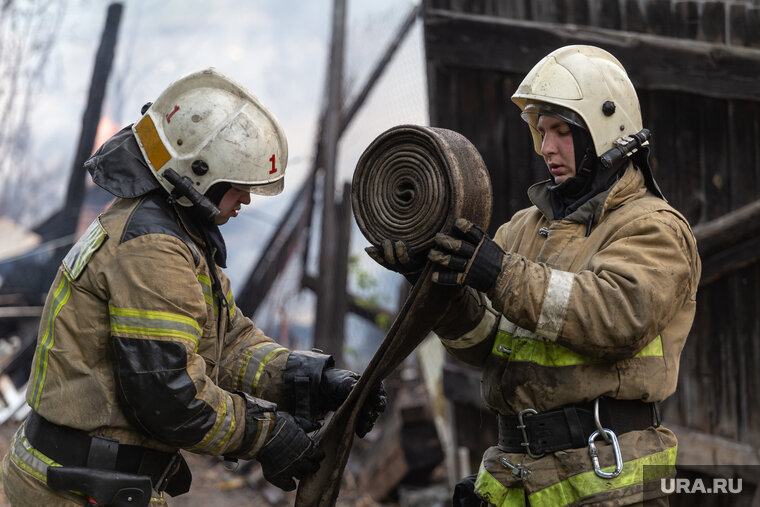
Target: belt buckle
{"type": "Point", "coordinates": [526, 443]}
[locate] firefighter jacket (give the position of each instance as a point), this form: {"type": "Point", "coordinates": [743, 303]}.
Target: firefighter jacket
{"type": "Point", "coordinates": [597, 304]}
{"type": "Point", "coordinates": [135, 344]}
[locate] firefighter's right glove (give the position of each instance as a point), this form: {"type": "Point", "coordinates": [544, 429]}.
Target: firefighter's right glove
{"type": "Point", "coordinates": [397, 256]}
{"type": "Point", "coordinates": [467, 256]}
{"type": "Point", "coordinates": [289, 454]}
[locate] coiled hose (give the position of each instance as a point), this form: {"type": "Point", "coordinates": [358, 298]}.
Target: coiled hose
{"type": "Point", "coordinates": [410, 183]}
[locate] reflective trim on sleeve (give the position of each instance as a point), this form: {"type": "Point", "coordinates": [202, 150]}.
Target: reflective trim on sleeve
{"type": "Point", "coordinates": [254, 363]}
{"type": "Point", "coordinates": [152, 323]}
{"type": "Point", "coordinates": [588, 483]}
{"type": "Point", "coordinates": [555, 304]}
{"type": "Point", "coordinates": [58, 301]}
{"type": "Point", "coordinates": [221, 432]}
{"type": "Point", "coordinates": [28, 458]}
{"type": "Point", "coordinates": [230, 304]}
{"type": "Point", "coordinates": [262, 433]}
{"type": "Point", "coordinates": [79, 255]}
{"type": "Point", "coordinates": [208, 294]}
{"type": "Point", "coordinates": [495, 493]}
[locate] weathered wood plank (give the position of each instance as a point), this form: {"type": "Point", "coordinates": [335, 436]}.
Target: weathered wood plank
{"type": "Point", "coordinates": [609, 14]}
{"type": "Point", "coordinates": [652, 62]}
{"type": "Point", "coordinates": [686, 19]}
{"type": "Point", "coordinates": [712, 23]}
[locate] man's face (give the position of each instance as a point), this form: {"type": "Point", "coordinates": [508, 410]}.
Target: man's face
{"type": "Point", "coordinates": [557, 147]}
{"type": "Point", "coordinates": [230, 204]}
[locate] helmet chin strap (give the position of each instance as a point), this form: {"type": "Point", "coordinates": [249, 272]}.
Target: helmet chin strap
{"type": "Point", "coordinates": [183, 187]}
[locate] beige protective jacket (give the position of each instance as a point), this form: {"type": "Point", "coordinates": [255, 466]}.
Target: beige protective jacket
{"type": "Point", "coordinates": [131, 347]}
{"type": "Point", "coordinates": [597, 304]}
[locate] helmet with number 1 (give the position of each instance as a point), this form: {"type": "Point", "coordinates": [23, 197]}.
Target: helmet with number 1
{"type": "Point", "coordinates": [209, 128]}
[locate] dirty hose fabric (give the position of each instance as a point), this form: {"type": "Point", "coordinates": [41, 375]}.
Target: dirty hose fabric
{"type": "Point", "coordinates": [410, 183]}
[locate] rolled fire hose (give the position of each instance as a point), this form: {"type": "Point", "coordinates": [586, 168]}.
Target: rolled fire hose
{"type": "Point", "coordinates": [410, 183]}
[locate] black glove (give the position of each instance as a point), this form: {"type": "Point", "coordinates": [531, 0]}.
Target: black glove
{"type": "Point", "coordinates": [288, 454]}
{"type": "Point", "coordinates": [466, 257]}
{"type": "Point", "coordinates": [336, 385]}
{"type": "Point", "coordinates": [394, 254]}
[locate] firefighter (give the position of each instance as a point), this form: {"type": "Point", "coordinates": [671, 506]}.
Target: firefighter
{"type": "Point", "coordinates": [141, 350]}
{"type": "Point", "coordinates": [578, 309]}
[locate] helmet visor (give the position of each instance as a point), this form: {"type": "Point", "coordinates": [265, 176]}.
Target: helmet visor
{"type": "Point", "coordinates": [534, 110]}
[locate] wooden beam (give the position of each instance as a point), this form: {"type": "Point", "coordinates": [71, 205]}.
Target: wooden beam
{"type": "Point", "coordinates": [653, 62]}
{"type": "Point", "coordinates": [703, 452]}
{"type": "Point", "coordinates": [729, 243]}
{"type": "Point", "coordinates": [325, 314]}
{"type": "Point", "coordinates": [65, 221]}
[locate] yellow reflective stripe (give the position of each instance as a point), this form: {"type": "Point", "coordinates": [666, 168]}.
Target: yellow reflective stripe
{"type": "Point", "coordinates": [588, 483]}
{"type": "Point", "coordinates": [60, 297]}
{"type": "Point", "coordinates": [28, 458]}
{"type": "Point", "coordinates": [495, 492]}
{"type": "Point", "coordinates": [230, 304]}
{"type": "Point", "coordinates": [254, 363]}
{"type": "Point", "coordinates": [221, 432]}
{"type": "Point", "coordinates": [152, 323]}
{"type": "Point", "coordinates": [535, 351]}
{"type": "Point", "coordinates": [553, 354]}
{"type": "Point", "coordinates": [207, 292]}
{"type": "Point", "coordinates": [653, 348]}
{"type": "Point", "coordinates": [262, 433]}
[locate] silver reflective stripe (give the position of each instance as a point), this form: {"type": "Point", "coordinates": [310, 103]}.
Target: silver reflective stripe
{"type": "Point", "coordinates": [512, 329]}
{"type": "Point", "coordinates": [555, 304]}
{"type": "Point", "coordinates": [483, 330]}
{"type": "Point", "coordinates": [254, 363]}
{"type": "Point", "coordinates": [28, 458]}
{"type": "Point", "coordinates": [80, 253]}
{"type": "Point", "coordinates": [222, 430]}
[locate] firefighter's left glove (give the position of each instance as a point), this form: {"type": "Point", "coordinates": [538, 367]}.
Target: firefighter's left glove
{"type": "Point", "coordinates": [467, 256]}
{"type": "Point", "coordinates": [289, 454]}
{"type": "Point", "coordinates": [337, 384]}
{"type": "Point", "coordinates": [396, 255]}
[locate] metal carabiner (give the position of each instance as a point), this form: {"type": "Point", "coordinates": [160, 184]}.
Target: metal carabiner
{"type": "Point", "coordinates": [519, 471]}
{"type": "Point", "coordinates": [592, 451]}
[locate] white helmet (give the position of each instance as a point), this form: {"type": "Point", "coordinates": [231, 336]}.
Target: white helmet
{"type": "Point", "coordinates": [592, 90]}
{"type": "Point", "coordinates": [210, 129]}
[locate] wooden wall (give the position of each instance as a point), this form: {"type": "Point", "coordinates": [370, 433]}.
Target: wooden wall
{"type": "Point", "coordinates": [696, 65]}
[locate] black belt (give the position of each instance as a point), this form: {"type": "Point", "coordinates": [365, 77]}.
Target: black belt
{"type": "Point", "coordinates": [570, 426]}
{"type": "Point", "coordinates": [71, 447]}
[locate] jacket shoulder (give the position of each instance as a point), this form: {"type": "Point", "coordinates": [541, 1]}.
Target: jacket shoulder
{"type": "Point", "coordinates": [152, 214]}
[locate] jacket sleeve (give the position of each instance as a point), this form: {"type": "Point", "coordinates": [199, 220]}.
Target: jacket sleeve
{"type": "Point", "coordinates": [467, 329]}
{"type": "Point", "coordinates": [631, 288]}
{"type": "Point", "coordinates": [157, 312]}
{"type": "Point", "coordinates": [251, 362]}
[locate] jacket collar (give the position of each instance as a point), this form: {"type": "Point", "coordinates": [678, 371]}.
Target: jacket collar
{"type": "Point", "coordinates": [629, 186]}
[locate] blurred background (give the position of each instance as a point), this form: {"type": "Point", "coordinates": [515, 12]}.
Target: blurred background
{"type": "Point", "coordinates": [337, 73]}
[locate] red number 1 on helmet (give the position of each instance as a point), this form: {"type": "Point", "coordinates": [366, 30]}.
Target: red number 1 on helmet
{"type": "Point", "coordinates": [274, 169]}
